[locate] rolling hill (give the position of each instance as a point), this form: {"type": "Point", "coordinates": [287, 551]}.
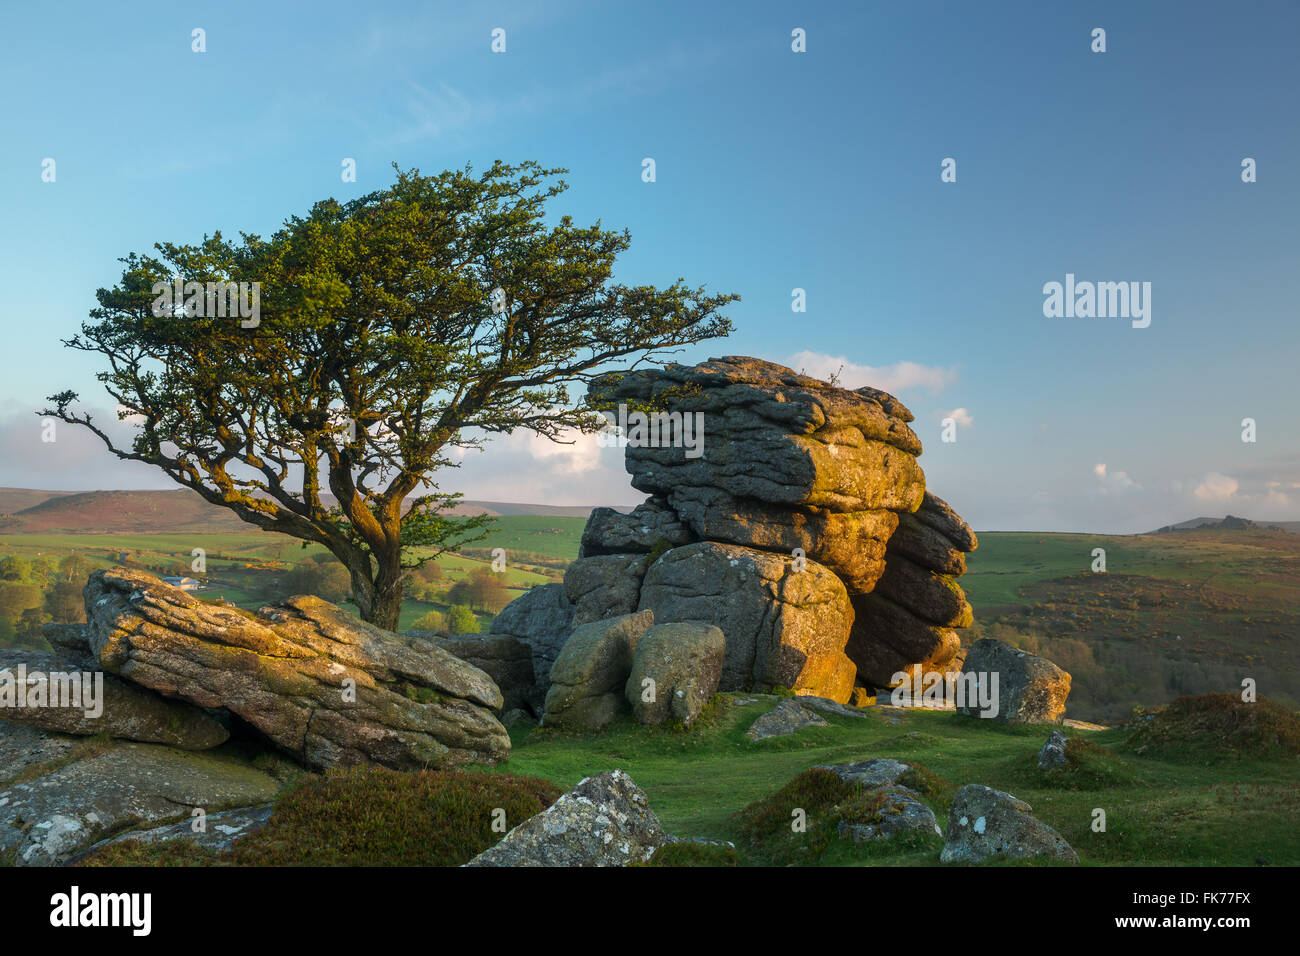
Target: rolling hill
{"type": "Point", "coordinates": [31, 511]}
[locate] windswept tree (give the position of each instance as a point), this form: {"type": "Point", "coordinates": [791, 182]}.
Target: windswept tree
{"type": "Point", "coordinates": [384, 334]}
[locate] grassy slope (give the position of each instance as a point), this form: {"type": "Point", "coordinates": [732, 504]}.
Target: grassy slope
{"type": "Point", "coordinates": [1159, 812]}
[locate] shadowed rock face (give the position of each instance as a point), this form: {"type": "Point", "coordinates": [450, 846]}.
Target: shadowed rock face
{"type": "Point", "coordinates": [1030, 689]}
{"type": "Point", "coordinates": [324, 686]}
{"type": "Point", "coordinates": [126, 711]}
{"type": "Point", "coordinates": [909, 620]}
{"type": "Point", "coordinates": [543, 620]}
{"type": "Point", "coordinates": [783, 627]}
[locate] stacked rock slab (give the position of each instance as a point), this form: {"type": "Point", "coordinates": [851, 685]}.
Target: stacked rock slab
{"type": "Point", "coordinates": [320, 684]}
{"type": "Point", "coordinates": [764, 523]}
{"type": "Point", "coordinates": [911, 618]}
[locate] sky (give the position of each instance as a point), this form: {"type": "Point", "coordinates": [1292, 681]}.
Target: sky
{"type": "Point", "coordinates": [775, 170]}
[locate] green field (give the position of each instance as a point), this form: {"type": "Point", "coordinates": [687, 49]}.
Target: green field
{"type": "Point", "coordinates": [1195, 805]}
{"type": "Point", "coordinates": [1186, 612]}
{"type": "Point", "coordinates": [1177, 613]}
{"type": "Point", "coordinates": [536, 550]}
{"type": "Point", "coordinates": [1159, 812]}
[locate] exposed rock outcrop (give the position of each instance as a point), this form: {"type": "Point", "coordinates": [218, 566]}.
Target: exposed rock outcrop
{"type": "Point", "coordinates": [783, 627]}
{"type": "Point", "coordinates": [604, 586]}
{"type": "Point", "coordinates": [320, 684]}
{"type": "Point", "coordinates": [51, 818]}
{"type": "Point", "coordinates": [507, 660]}
{"type": "Point", "coordinates": [985, 824]}
{"type": "Point", "coordinates": [590, 675]}
{"type": "Point", "coordinates": [788, 512]}
{"type": "Point", "coordinates": [1029, 689]}
{"type": "Point", "coordinates": [605, 820]}
{"type": "Point", "coordinates": [675, 670]}
{"type": "Point", "coordinates": [74, 696]}
{"type": "Point", "coordinates": [542, 619]}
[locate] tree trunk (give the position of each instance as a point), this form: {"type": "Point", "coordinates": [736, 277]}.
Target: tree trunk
{"type": "Point", "coordinates": [379, 599]}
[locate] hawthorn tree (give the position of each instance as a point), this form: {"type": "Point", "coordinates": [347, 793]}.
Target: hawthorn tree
{"type": "Point", "coordinates": [393, 330]}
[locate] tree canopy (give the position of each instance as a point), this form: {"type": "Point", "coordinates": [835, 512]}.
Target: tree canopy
{"type": "Point", "coordinates": [391, 331]}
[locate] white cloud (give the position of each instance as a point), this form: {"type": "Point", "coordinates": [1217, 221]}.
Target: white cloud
{"type": "Point", "coordinates": [958, 415]}
{"type": "Point", "coordinates": [1118, 481]}
{"type": "Point", "coordinates": [890, 378]}
{"type": "Point", "coordinates": [1216, 487]}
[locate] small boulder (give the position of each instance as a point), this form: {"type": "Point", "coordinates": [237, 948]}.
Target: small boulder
{"type": "Point", "coordinates": [985, 823]}
{"type": "Point", "coordinates": [1053, 752]}
{"type": "Point", "coordinates": [886, 812]}
{"type": "Point", "coordinates": [605, 820]}
{"type": "Point", "coordinates": [684, 661]}
{"type": "Point", "coordinates": [877, 772]}
{"type": "Point", "coordinates": [589, 676]}
{"type": "Point", "coordinates": [1029, 689]}
{"type": "Point", "coordinates": [783, 719]}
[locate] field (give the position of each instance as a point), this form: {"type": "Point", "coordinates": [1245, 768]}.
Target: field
{"type": "Point", "coordinates": [1195, 807]}
{"type": "Point", "coordinates": [1159, 812]}
{"type": "Point", "coordinates": [243, 567]}
{"type": "Point", "coordinates": [1185, 612]}
{"type": "Point", "coordinates": [1176, 613]}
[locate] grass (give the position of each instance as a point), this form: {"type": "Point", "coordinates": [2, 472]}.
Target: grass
{"type": "Point", "coordinates": [700, 782]}
{"type": "Point", "coordinates": [709, 781]}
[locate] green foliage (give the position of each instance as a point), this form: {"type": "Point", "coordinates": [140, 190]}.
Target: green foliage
{"type": "Point", "coordinates": [767, 825]}
{"type": "Point", "coordinates": [461, 620]}
{"type": "Point", "coordinates": [1217, 727]}
{"type": "Point", "coordinates": [394, 331]}
{"type": "Point", "coordinates": [328, 581]}
{"type": "Point", "coordinates": [432, 621]}
{"type": "Point", "coordinates": [14, 569]}
{"type": "Point", "coordinates": [64, 602]}
{"type": "Point", "coordinates": [693, 854]}
{"type": "Point", "coordinates": [367, 816]}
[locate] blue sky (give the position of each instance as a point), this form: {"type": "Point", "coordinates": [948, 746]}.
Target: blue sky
{"type": "Point", "coordinates": [775, 170]}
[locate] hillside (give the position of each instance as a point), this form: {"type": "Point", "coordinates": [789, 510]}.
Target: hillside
{"type": "Point", "coordinates": [1229, 522]}
{"type": "Point", "coordinates": [31, 511]}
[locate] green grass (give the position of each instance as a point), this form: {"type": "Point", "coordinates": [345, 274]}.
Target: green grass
{"type": "Point", "coordinates": [528, 540]}
{"type": "Point", "coordinates": [709, 781]}
{"type": "Point", "coordinates": [1159, 811]}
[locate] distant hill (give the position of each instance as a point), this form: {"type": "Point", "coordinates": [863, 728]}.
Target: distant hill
{"type": "Point", "coordinates": [1230, 522]}
{"type": "Point", "coordinates": [31, 511]}
{"type": "Point", "coordinates": [19, 499]}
